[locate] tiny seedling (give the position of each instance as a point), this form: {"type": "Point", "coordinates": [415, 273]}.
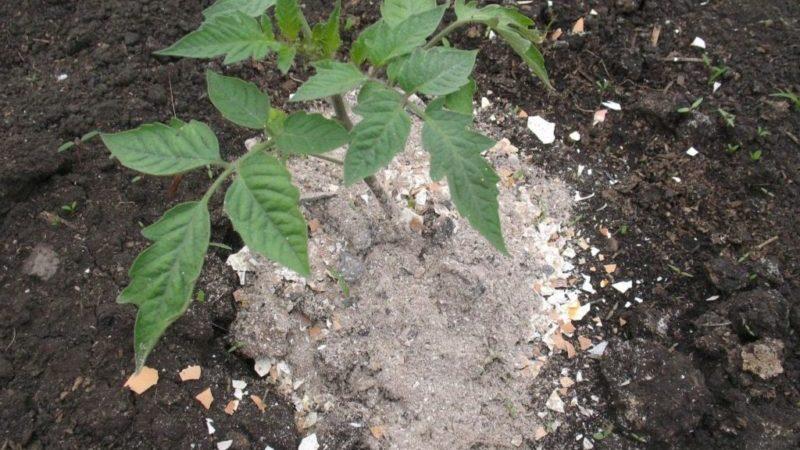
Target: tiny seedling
{"type": "Point", "coordinates": [715, 72]}
{"type": "Point", "coordinates": [789, 95]}
{"type": "Point", "coordinates": [762, 132]}
{"type": "Point", "coordinates": [732, 148]}
{"type": "Point", "coordinates": [729, 118]}
{"type": "Point", "coordinates": [688, 109]}
{"type": "Point", "coordinates": [395, 59]}
{"type": "Point", "coordinates": [755, 155]}
{"type": "Point", "coordinates": [70, 208]}
{"type": "Point", "coordinates": [603, 85]}
{"type": "Point", "coordinates": [78, 142]}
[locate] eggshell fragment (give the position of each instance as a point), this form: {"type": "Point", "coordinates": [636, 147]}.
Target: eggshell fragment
{"type": "Point", "coordinates": [142, 381]}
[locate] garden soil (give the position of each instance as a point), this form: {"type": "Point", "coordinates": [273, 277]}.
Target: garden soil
{"type": "Point", "coordinates": [707, 359]}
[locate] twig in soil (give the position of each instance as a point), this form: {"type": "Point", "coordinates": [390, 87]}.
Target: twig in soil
{"type": "Point", "coordinates": [317, 196]}
{"type": "Point", "coordinates": [682, 59]}
{"type": "Point", "coordinates": [13, 339]}
{"type": "Point", "coordinates": [792, 137]}
{"type": "Point", "coordinates": [767, 242]}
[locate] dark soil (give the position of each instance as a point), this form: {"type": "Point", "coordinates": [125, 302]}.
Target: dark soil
{"type": "Point", "coordinates": [66, 345]}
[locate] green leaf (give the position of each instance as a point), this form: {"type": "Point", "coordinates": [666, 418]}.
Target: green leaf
{"type": "Point", "coordinates": [163, 275]}
{"type": "Point", "coordinates": [456, 154]}
{"type": "Point", "coordinates": [158, 149]}
{"type": "Point", "coordinates": [90, 135]}
{"type": "Point", "coordinates": [286, 54]}
{"type": "Point", "coordinates": [437, 71]}
{"type": "Point", "coordinates": [460, 101]}
{"type": "Point", "coordinates": [289, 17]}
{"type": "Point", "coordinates": [239, 101]}
{"type": "Point", "coordinates": [235, 35]}
{"type": "Point", "coordinates": [66, 146]}
{"type": "Point", "coordinates": [310, 134]}
{"type": "Point", "coordinates": [396, 11]}
{"type": "Point", "coordinates": [381, 134]}
{"type": "Point", "coordinates": [263, 205]}
{"type": "Point", "coordinates": [383, 42]}
{"type": "Point", "coordinates": [326, 35]}
{"type": "Point", "coordinates": [491, 14]}
{"type": "Point", "coordinates": [528, 51]}
{"type": "Point", "coordinates": [332, 78]}
{"type": "Point", "coordinates": [252, 8]}
{"type": "Point", "coordinates": [358, 51]}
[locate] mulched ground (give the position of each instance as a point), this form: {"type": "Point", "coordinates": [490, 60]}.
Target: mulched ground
{"type": "Point", "coordinates": [65, 345]}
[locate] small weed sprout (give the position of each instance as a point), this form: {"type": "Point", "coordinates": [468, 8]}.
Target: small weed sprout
{"type": "Point", "coordinates": [603, 85]}
{"type": "Point", "coordinates": [70, 208]}
{"type": "Point", "coordinates": [789, 95]}
{"type": "Point", "coordinates": [755, 155]}
{"type": "Point", "coordinates": [762, 132]}
{"type": "Point", "coordinates": [399, 56]}
{"type": "Point", "coordinates": [729, 118]}
{"type": "Point", "coordinates": [688, 109]}
{"type": "Point", "coordinates": [732, 148]}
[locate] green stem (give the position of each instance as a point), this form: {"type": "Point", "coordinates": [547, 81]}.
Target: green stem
{"type": "Point", "coordinates": [341, 111]}
{"type": "Point", "coordinates": [445, 32]}
{"type": "Point", "coordinates": [338, 162]}
{"type": "Point", "coordinates": [371, 182]}
{"type": "Point", "coordinates": [218, 182]}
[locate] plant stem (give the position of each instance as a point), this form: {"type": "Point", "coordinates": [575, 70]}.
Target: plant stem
{"type": "Point", "coordinates": [445, 31]}
{"type": "Point", "coordinates": [371, 182]}
{"type": "Point", "coordinates": [218, 182]}
{"type": "Point", "coordinates": [341, 112]}
{"type": "Point", "coordinates": [338, 162]}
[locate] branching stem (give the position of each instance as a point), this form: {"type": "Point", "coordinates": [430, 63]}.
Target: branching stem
{"type": "Point", "coordinates": [445, 32]}
{"type": "Point", "coordinates": [372, 183]}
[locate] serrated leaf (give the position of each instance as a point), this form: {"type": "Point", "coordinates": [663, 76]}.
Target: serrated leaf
{"type": "Point", "coordinates": [332, 78]}
{"type": "Point", "coordinates": [528, 51]}
{"type": "Point", "coordinates": [358, 51]}
{"type": "Point", "coordinates": [252, 8]}
{"type": "Point", "coordinates": [263, 206]}
{"type": "Point", "coordinates": [396, 11]}
{"type": "Point", "coordinates": [437, 71]}
{"type": "Point", "coordinates": [384, 42]}
{"type": "Point", "coordinates": [286, 54]}
{"type": "Point", "coordinates": [326, 34]}
{"type": "Point", "coordinates": [239, 101]}
{"type": "Point", "coordinates": [381, 134]}
{"type": "Point", "coordinates": [235, 35]}
{"type": "Point", "coordinates": [460, 101]}
{"type": "Point", "coordinates": [163, 275]}
{"type": "Point", "coordinates": [310, 134]}
{"type": "Point", "coordinates": [289, 18]}
{"type": "Point", "coordinates": [159, 149]}
{"type": "Point", "coordinates": [456, 154]}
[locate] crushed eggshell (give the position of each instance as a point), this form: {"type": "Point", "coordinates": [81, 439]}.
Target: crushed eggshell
{"type": "Point", "coordinates": [599, 116]}
{"type": "Point", "coordinates": [623, 286]}
{"type": "Point", "coordinates": [258, 402]}
{"type": "Point", "coordinates": [210, 426]}
{"type": "Point", "coordinates": [377, 431]}
{"type": "Point", "coordinates": [575, 136]}
{"type": "Point", "coordinates": [584, 342]}
{"type": "Point", "coordinates": [692, 151]}
{"type": "Point", "coordinates": [143, 380]}
{"type": "Point", "coordinates": [543, 129]}
{"type": "Point", "coordinates": [554, 402]}
{"type": "Point", "coordinates": [598, 350]}
{"type": "Point", "coordinates": [206, 398]}
{"type": "Point", "coordinates": [262, 366]}
{"type": "Point", "coordinates": [190, 373]}
{"type": "Point", "coordinates": [539, 433]}
{"type": "Point", "coordinates": [698, 42]}
{"type": "Point", "coordinates": [224, 445]}
{"type": "Point", "coordinates": [309, 443]}
{"type": "Point", "coordinates": [485, 103]}
{"type": "Point", "coordinates": [610, 268]}
{"type": "Point", "coordinates": [614, 106]}
{"type": "Point", "coordinates": [577, 28]}
{"type": "Point", "coordinates": [231, 407]}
